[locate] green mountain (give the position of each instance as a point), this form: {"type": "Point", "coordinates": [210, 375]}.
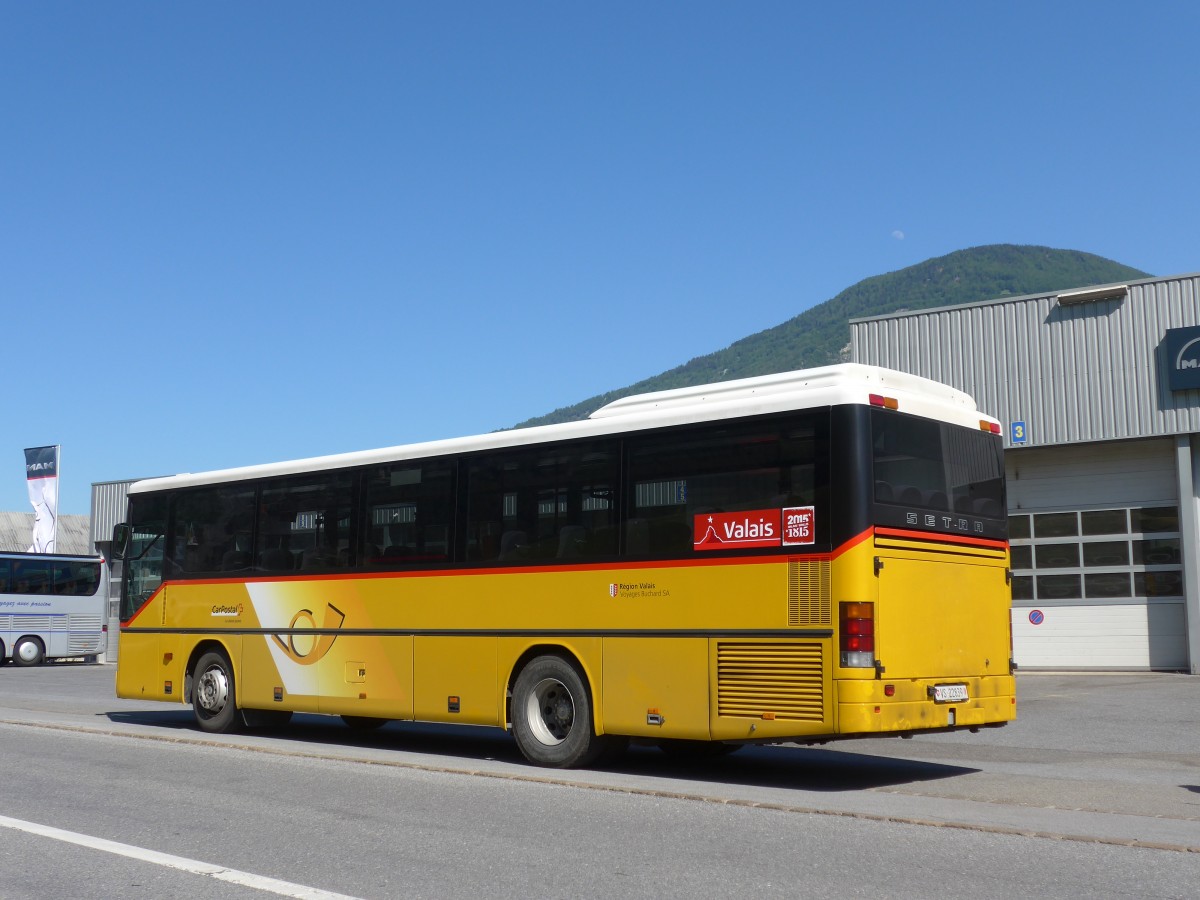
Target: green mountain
{"type": "Point", "coordinates": [821, 335]}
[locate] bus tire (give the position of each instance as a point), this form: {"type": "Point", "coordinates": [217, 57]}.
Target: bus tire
{"type": "Point", "coordinates": [552, 715]}
{"type": "Point", "coordinates": [213, 696]}
{"type": "Point", "coordinates": [28, 651]}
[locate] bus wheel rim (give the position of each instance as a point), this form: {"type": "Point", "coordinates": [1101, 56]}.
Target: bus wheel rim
{"type": "Point", "coordinates": [551, 711]}
{"type": "Point", "coordinates": [212, 690]}
{"type": "Point", "coordinates": [27, 651]}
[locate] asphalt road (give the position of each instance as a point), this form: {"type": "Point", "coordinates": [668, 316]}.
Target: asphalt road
{"type": "Point", "coordinates": [1094, 791]}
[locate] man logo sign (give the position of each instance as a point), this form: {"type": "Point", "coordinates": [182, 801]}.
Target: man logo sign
{"type": "Point", "coordinates": [1183, 358]}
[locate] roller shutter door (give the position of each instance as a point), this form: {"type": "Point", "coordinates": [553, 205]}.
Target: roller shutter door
{"type": "Point", "coordinates": [1097, 562]}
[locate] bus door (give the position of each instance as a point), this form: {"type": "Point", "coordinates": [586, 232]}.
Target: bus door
{"type": "Point", "coordinates": [928, 620]}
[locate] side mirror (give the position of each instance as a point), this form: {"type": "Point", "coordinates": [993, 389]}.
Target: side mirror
{"type": "Point", "coordinates": [120, 540]}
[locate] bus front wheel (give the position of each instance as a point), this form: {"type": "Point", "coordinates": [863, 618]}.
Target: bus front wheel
{"type": "Point", "coordinates": [28, 651]}
{"type": "Point", "coordinates": [213, 698]}
{"type": "Point", "coordinates": [552, 715]}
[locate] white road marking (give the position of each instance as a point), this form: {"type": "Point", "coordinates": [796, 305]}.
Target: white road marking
{"type": "Point", "coordinates": [221, 873]}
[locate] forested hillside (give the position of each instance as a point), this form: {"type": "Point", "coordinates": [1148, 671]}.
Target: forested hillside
{"type": "Point", "coordinates": [821, 335]}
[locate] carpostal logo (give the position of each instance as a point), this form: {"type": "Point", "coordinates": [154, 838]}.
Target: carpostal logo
{"type": "Point", "coordinates": [304, 643]}
{"type": "Point", "coordinates": [223, 611]}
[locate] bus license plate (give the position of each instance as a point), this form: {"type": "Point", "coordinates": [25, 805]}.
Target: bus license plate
{"type": "Point", "coordinates": [949, 693]}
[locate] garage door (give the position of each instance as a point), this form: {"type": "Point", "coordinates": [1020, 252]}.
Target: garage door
{"type": "Point", "coordinates": [1096, 557]}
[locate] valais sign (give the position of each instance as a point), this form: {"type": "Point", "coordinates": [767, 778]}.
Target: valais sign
{"type": "Point", "coordinates": [794, 526]}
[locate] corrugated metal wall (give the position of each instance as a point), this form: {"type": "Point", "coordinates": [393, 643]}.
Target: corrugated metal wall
{"type": "Point", "coordinates": [16, 533]}
{"type": "Point", "coordinates": [108, 508]}
{"type": "Point", "coordinates": [1086, 372]}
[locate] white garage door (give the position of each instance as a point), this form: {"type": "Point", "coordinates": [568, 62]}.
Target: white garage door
{"type": "Point", "coordinates": [1096, 557]}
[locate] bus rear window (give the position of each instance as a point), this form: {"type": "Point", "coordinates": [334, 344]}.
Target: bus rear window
{"type": "Point", "coordinates": [937, 476]}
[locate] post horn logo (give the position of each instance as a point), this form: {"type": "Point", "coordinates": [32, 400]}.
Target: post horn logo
{"type": "Point", "coordinates": [305, 644]}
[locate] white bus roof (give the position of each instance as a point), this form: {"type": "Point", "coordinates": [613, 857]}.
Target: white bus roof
{"type": "Point", "coordinates": [849, 383]}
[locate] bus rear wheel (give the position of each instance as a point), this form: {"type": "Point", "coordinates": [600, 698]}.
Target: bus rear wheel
{"type": "Point", "coordinates": [28, 651]}
{"type": "Point", "coordinates": [213, 696]}
{"type": "Point", "coordinates": [552, 715]}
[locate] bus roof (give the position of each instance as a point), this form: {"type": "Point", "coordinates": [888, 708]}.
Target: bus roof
{"type": "Point", "coordinates": [849, 383]}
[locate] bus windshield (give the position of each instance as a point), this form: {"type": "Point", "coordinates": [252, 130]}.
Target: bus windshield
{"type": "Point", "coordinates": [144, 555]}
{"type": "Point", "coordinates": [931, 475]}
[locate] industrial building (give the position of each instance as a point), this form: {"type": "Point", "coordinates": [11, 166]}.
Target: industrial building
{"type": "Point", "coordinates": [1099, 390]}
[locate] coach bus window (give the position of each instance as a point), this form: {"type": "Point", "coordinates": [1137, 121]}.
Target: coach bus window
{"type": "Point", "coordinates": [923, 467]}
{"type": "Point", "coordinates": [76, 579]}
{"type": "Point", "coordinates": [210, 531]}
{"type": "Point", "coordinates": [410, 510]}
{"type": "Point", "coordinates": [304, 523]}
{"type": "Point", "coordinates": [31, 577]}
{"type": "Point", "coordinates": [756, 468]}
{"type": "Point", "coordinates": [551, 503]}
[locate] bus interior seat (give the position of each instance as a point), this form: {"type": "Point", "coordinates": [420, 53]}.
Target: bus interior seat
{"type": "Point", "coordinates": [935, 499]}
{"type": "Point", "coordinates": [317, 558]}
{"type": "Point", "coordinates": [275, 559]}
{"type": "Point", "coordinates": [637, 537]}
{"type": "Point", "coordinates": [909, 495]}
{"type": "Point", "coordinates": [233, 560]}
{"type": "Point", "coordinates": [986, 506]}
{"type": "Point", "coordinates": [883, 492]}
{"type": "Point", "coordinates": [571, 540]}
{"type": "Point", "coordinates": [512, 544]}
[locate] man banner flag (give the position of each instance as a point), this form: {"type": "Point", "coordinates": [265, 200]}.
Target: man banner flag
{"type": "Point", "coordinates": [41, 476]}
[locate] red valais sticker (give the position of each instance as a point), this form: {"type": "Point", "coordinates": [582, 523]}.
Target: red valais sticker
{"type": "Point", "coordinates": [753, 528]}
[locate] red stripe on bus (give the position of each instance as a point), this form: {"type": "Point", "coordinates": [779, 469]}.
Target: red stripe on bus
{"type": "Point", "coordinates": [777, 559]}
{"type": "Point", "coordinates": [941, 538]}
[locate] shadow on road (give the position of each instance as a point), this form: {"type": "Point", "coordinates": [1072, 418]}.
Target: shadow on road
{"type": "Point", "coordinates": [780, 766]}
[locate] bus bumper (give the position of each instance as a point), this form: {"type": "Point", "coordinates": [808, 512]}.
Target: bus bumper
{"type": "Point", "coordinates": [864, 707]}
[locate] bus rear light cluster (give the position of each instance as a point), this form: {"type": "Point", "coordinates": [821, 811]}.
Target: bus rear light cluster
{"type": "Point", "coordinates": [857, 621]}
{"type": "Point", "coordinates": [885, 402]}
{"type": "Point", "coordinates": [992, 427]}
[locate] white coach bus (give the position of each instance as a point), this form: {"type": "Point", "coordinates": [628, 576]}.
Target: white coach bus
{"type": "Point", "coordinates": [52, 606]}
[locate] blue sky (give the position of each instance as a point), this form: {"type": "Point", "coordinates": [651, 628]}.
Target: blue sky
{"type": "Point", "coordinates": [234, 233]}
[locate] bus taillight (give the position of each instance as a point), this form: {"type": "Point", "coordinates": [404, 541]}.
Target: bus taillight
{"type": "Point", "coordinates": [857, 634]}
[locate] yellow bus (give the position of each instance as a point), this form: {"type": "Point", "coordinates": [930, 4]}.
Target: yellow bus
{"type": "Point", "coordinates": [788, 558]}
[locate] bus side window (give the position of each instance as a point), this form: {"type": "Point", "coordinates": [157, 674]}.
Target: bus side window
{"type": "Point", "coordinates": [543, 504]}
{"type": "Point", "coordinates": [679, 478]}
{"type": "Point", "coordinates": [409, 514]}
{"type": "Point", "coordinates": [304, 523]}
{"type": "Point", "coordinates": [31, 577]}
{"type": "Point", "coordinates": [210, 529]}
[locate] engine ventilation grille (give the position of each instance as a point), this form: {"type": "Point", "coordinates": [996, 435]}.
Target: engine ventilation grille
{"type": "Point", "coordinates": [808, 592]}
{"type": "Point", "coordinates": [778, 680]}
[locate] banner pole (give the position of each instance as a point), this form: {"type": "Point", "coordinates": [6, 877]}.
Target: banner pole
{"type": "Point", "coordinates": [58, 492]}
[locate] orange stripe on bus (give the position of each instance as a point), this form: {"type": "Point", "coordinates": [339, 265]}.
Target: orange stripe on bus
{"type": "Point", "coordinates": [940, 538]}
